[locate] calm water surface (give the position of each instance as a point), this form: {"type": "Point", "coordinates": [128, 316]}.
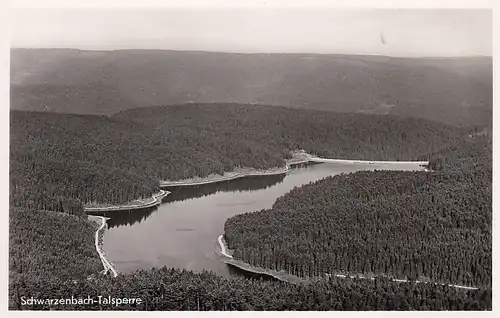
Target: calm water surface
{"type": "Point", "coordinates": [182, 232]}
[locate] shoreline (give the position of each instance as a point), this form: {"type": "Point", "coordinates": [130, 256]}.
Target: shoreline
{"type": "Point", "coordinates": [292, 279]}
{"type": "Point", "coordinates": [228, 177]}
{"type": "Point", "coordinates": [303, 159]}
{"type": "Point", "coordinates": [98, 246]}
{"type": "Point", "coordinates": [324, 160]}
{"type": "Point", "coordinates": [227, 258]}
{"type": "Point", "coordinates": [157, 198]}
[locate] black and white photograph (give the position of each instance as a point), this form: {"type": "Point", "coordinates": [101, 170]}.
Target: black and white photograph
{"type": "Point", "coordinates": [252, 158]}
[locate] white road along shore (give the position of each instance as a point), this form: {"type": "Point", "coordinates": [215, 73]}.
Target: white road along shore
{"type": "Point", "coordinates": [223, 247]}
{"type": "Point", "coordinates": [408, 281]}
{"type": "Point", "coordinates": [317, 159]}
{"type": "Point", "coordinates": [230, 176]}
{"type": "Point", "coordinates": [156, 201]}
{"type": "Point", "coordinates": [105, 263]}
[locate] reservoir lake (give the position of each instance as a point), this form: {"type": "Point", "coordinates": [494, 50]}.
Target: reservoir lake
{"type": "Point", "coordinates": [182, 232]}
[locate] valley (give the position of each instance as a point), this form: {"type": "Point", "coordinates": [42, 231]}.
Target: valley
{"type": "Point", "coordinates": [217, 181]}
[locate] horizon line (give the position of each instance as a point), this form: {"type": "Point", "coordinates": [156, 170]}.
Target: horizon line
{"type": "Point", "coordinates": [256, 53]}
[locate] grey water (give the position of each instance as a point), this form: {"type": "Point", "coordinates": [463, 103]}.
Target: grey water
{"type": "Point", "coordinates": [182, 232]}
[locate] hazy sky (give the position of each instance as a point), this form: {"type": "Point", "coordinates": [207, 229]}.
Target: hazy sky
{"type": "Point", "coordinates": [409, 32]}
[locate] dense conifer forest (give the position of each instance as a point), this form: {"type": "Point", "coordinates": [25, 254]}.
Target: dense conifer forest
{"type": "Point", "coordinates": [46, 244]}
{"type": "Point", "coordinates": [176, 289]}
{"type": "Point", "coordinates": [96, 159]}
{"type": "Point", "coordinates": [279, 129]}
{"type": "Point", "coordinates": [422, 225]}
{"type": "Point", "coordinates": [39, 243]}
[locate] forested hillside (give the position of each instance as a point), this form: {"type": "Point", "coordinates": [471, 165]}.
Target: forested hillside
{"type": "Point", "coordinates": [423, 225]}
{"type": "Point", "coordinates": [56, 157]}
{"type": "Point", "coordinates": [89, 158]}
{"type": "Point", "coordinates": [335, 135]}
{"type": "Point", "coordinates": [454, 91]}
{"type": "Point", "coordinates": [46, 244]}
